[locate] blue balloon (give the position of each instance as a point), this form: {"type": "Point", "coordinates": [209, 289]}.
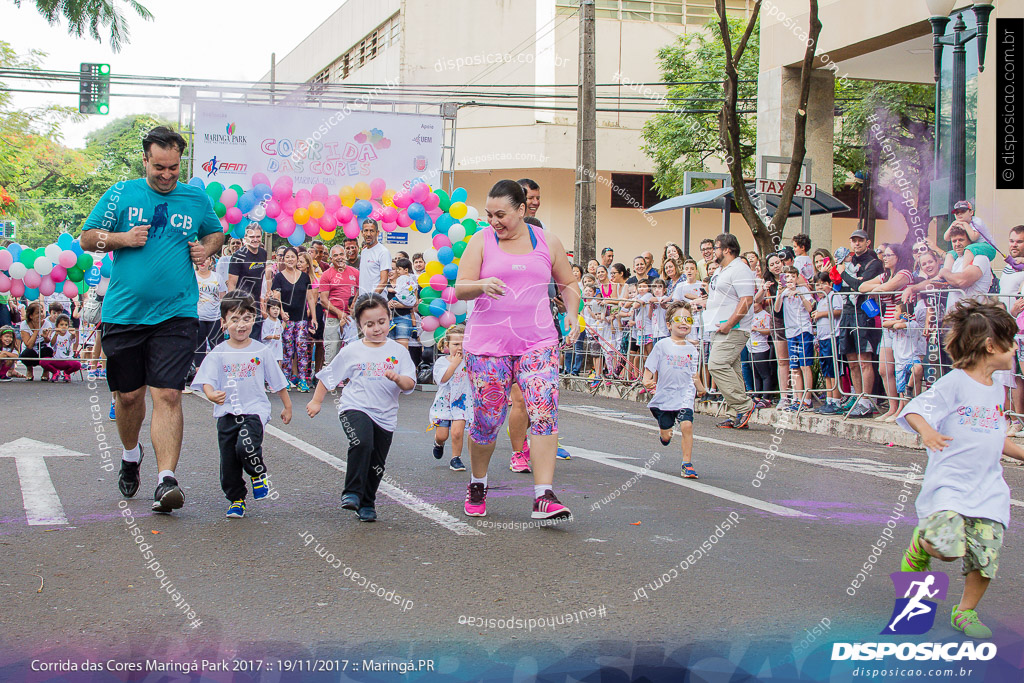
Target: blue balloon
{"type": "Point", "coordinates": [362, 208]}
{"type": "Point", "coordinates": [438, 307]}
{"type": "Point", "coordinates": [415, 211]}
{"type": "Point", "coordinates": [425, 224]}
{"type": "Point", "coordinates": [246, 202]}
{"type": "Point", "coordinates": [64, 241]}
{"type": "Point", "coordinates": [460, 195]}
{"type": "Point", "coordinates": [196, 181]}
{"type": "Point", "coordinates": [105, 266]}
{"type": "Point", "coordinates": [15, 250]}
{"type": "Point", "coordinates": [451, 271]}
{"type": "Point", "coordinates": [93, 275]}
{"type": "Point", "coordinates": [443, 222]}
{"type": "Point", "coordinates": [238, 231]}
{"type": "Point", "coordinates": [459, 319]}
{"type": "Point", "coordinates": [268, 225]}
{"type": "Point", "coordinates": [296, 238]}
{"type": "Point", "coordinates": [445, 255]}
{"type": "Point", "coordinates": [77, 248]}
{"type": "Point", "coordinates": [262, 192]}
{"type": "Point", "coordinates": [31, 294]}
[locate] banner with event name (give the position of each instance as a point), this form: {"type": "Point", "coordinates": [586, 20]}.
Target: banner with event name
{"type": "Point", "coordinates": [335, 147]}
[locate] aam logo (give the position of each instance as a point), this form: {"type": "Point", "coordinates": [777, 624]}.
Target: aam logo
{"type": "Point", "coordinates": [214, 166]}
{"type": "Point", "coordinates": [917, 594]}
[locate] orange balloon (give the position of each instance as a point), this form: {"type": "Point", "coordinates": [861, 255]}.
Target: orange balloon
{"type": "Point", "coordinates": [388, 198]}
{"type": "Point", "coordinates": [316, 209]}
{"type": "Point", "coordinates": [301, 216]}
{"type": "Point", "coordinates": [362, 190]}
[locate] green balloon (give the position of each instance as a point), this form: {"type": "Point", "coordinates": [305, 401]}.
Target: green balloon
{"type": "Point", "coordinates": [82, 287]}
{"type": "Point", "coordinates": [219, 209]}
{"type": "Point", "coordinates": [85, 262]}
{"type": "Point", "coordinates": [27, 257]}
{"type": "Point", "coordinates": [459, 248]}
{"type": "Point", "coordinates": [439, 333]}
{"type": "Point", "coordinates": [215, 190]}
{"type": "Point", "coordinates": [428, 294]}
{"type": "Point", "coordinates": [75, 274]}
{"type": "Point", "coordinates": [424, 308]}
{"type": "Point", "coordinates": [470, 226]}
{"type": "Point", "coordinates": [446, 201]}
{"type": "Point", "coordinates": [238, 189]}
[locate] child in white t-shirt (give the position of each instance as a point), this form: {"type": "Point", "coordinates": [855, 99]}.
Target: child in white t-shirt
{"type": "Point", "coordinates": [232, 376]}
{"type": "Point", "coordinates": [826, 315]}
{"type": "Point", "coordinates": [272, 330]}
{"type": "Point", "coordinates": [671, 373]}
{"type": "Point", "coordinates": [759, 348]}
{"type": "Point", "coordinates": [964, 504]}
{"type": "Point", "coordinates": [373, 371]}
{"type": "Point", "coordinates": [452, 406]}
{"type": "Point", "coordinates": [659, 301]}
{"type": "Point", "coordinates": [907, 335]}
{"type": "Point", "coordinates": [64, 342]}
{"type": "Point", "coordinates": [796, 303]}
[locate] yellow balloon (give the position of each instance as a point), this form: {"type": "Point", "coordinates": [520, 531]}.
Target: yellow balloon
{"type": "Point", "coordinates": [362, 190]}
{"type": "Point", "coordinates": [327, 236]}
{"type": "Point", "coordinates": [433, 268]}
{"type": "Point", "coordinates": [424, 279]}
{"type": "Point", "coordinates": [316, 209]}
{"type": "Point", "coordinates": [457, 210]}
{"type": "Point", "coordinates": [347, 196]}
{"type": "Point", "coordinates": [583, 323]}
{"type": "Point", "coordinates": [301, 216]}
{"type": "Point", "coordinates": [388, 198]}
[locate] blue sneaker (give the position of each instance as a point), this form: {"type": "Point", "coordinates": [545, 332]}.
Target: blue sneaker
{"type": "Point", "coordinates": [260, 487]}
{"type": "Point", "coordinates": [350, 501]}
{"type": "Point", "coordinates": [562, 454]}
{"type": "Point", "coordinates": [112, 415]}
{"type": "Point", "coordinates": [456, 465]}
{"type": "Point", "coordinates": [303, 387]}
{"type": "Point", "coordinates": [438, 450]}
{"type": "Point", "coordinates": [236, 510]}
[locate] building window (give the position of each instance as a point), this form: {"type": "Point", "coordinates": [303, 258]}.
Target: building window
{"type": "Point", "coordinates": [693, 12]}
{"type": "Point", "coordinates": [629, 189]}
{"type": "Point", "coordinates": [367, 49]}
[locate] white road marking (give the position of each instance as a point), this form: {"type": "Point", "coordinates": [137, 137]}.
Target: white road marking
{"type": "Point", "coordinates": [417, 505]}
{"type": "Point", "coordinates": [42, 505]}
{"type": "Point", "coordinates": [867, 466]}
{"type": "Point", "coordinates": [609, 459]}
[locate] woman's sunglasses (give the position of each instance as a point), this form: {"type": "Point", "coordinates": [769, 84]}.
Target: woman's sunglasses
{"type": "Point", "coordinates": [921, 249]}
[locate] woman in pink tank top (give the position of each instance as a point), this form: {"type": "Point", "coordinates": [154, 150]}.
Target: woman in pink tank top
{"type": "Point", "coordinates": [511, 337]}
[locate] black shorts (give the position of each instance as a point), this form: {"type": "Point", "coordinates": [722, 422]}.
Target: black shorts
{"type": "Point", "coordinates": [857, 334]}
{"type": "Point", "coordinates": [157, 355]}
{"type": "Point", "coordinates": [668, 418]}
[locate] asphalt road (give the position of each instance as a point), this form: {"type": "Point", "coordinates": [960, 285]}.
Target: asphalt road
{"type": "Point", "coordinates": [280, 587]}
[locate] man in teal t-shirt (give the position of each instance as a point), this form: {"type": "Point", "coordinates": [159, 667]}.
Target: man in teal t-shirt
{"type": "Point", "coordinates": [156, 229]}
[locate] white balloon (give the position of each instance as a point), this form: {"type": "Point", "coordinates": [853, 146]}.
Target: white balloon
{"type": "Point", "coordinates": [427, 339]}
{"type": "Point", "coordinates": [459, 308]}
{"type": "Point", "coordinates": [42, 265]}
{"type": "Point", "coordinates": [457, 233]}
{"type": "Point", "coordinates": [430, 255]}
{"type": "Point", "coordinates": [258, 213]}
{"type": "Point", "coordinates": [101, 288]}
{"type": "Point", "coordinates": [471, 213]}
{"type": "Point", "coordinates": [53, 252]}
{"type": "Point", "coordinates": [17, 270]}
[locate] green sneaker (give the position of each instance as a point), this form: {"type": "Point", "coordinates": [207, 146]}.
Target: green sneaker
{"type": "Point", "coordinates": [915, 559]}
{"type": "Point", "coordinates": [848, 406]}
{"type": "Point", "coordinates": [968, 622]}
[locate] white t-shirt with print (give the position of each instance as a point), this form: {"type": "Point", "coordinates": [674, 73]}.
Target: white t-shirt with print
{"type": "Point", "coordinates": [675, 365]}
{"type": "Point", "coordinates": [795, 314]}
{"type": "Point", "coordinates": [966, 477]}
{"type": "Point", "coordinates": [824, 328]}
{"type": "Point", "coordinates": [453, 400]}
{"type": "Point", "coordinates": [242, 374]}
{"type": "Point", "coordinates": [23, 326]}
{"type": "Point", "coordinates": [728, 285]}
{"type": "Point", "coordinates": [211, 289]}
{"type": "Point", "coordinates": [367, 389]}
{"type": "Point", "coordinates": [979, 289]}
{"type": "Point", "coordinates": [686, 291]}
{"type": "Point", "coordinates": [63, 345]}
{"type": "Point", "coordinates": [659, 327]}
{"type": "Point", "coordinates": [272, 327]}
{"type": "Point", "coordinates": [758, 342]}
{"type": "Point", "coordinates": [372, 262]}
{"type": "Point", "coordinates": [805, 265]}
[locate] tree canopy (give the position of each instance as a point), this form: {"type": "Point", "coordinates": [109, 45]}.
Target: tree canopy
{"type": "Point", "coordinates": [90, 16]}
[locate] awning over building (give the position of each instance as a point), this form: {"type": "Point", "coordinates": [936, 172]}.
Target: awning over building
{"type": "Point", "coordinates": [720, 198]}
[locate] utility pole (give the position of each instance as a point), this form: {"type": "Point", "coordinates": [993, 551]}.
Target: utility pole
{"type": "Point", "coordinates": [585, 225]}
{"type": "Point", "coordinates": [268, 239]}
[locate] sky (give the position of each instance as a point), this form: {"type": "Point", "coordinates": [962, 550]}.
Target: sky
{"type": "Point", "coordinates": [186, 38]}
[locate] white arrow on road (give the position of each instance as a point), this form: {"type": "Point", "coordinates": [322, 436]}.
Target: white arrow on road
{"type": "Point", "coordinates": [42, 506]}
{"type": "Point", "coordinates": [613, 461]}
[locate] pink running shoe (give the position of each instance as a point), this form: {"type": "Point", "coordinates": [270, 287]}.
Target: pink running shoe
{"type": "Point", "coordinates": [521, 459]}
{"type": "Point", "coordinates": [476, 500]}
{"type": "Point", "coordinates": [548, 507]}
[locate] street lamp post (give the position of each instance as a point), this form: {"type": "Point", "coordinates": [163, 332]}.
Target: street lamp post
{"type": "Point", "coordinates": [939, 10]}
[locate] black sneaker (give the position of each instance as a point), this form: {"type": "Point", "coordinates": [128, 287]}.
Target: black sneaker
{"type": "Point", "coordinates": [456, 465]}
{"type": "Point", "coordinates": [350, 501]}
{"type": "Point", "coordinates": [168, 496]}
{"type": "Point", "coordinates": [367, 514]}
{"type": "Point", "coordinates": [438, 450]}
{"type": "Point", "coordinates": [128, 478]}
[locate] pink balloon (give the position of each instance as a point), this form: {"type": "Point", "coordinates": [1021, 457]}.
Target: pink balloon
{"type": "Point", "coordinates": [59, 274]}
{"type": "Point", "coordinates": [303, 197]}
{"type": "Point", "coordinates": [279, 192]}
{"type": "Point", "coordinates": [47, 286]}
{"type": "Point", "coordinates": [438, 282]}
{"type": "Point", "coordinates": [403, 220]}
{"type": "Point", "coordinates": [377, 214]}
{"type": "Point", "coordinates": [260, 179]}
{"type": "Point", "coordinates": [224, 224]}
{"type": "Point", "coordinates": [273, 209]}
{"type": "Point", "coordinates": [5, 259]}
{"type": "Point", "coordinates": [441, 241]}
{"type": "Point", "coordinates": [327, 222]}
{"type": "Point", "coordinates": [431, 202]}
{"type": "Point", "coordinates": [32, 279]}
{"type": "Point", "coordinates": [402, 200]}
{"type": "Point", "coordinates": [388, 227]}
{"type": "Point", "coordinates": [233, 215]}
{"type": "Point", "coordinates": [377, 187]}
{"type": "Point", "coordinates": [289, 205]}
{"type": "Point", "coordinates": [390, 214]}
{"type": "Point", "coordinates": [435, 213]}
{"type": "Point", "coordinates": [68, 259]}
{"type": "Point", "coordinates": [312, 228]}
{"type": "Point", "coordinates": [319, 192]}
{"type": "Point", "coordinates": [344, 214]}
{"type": "Point", "coordinates": [429, 323]}
{"type": "Point", "coordinates": [419, 192]}
{"type": "Point", "coordinates": [285, 226]}
{"type": "Point", "coordinates": [333, 203]}
{"type": "Point", "coordinates": [5, 283]}
{"type": "Point", "coordinates": [18, 288]}
{"type": "Point", "coordinates": [229, 197]}
{"type": "Point", "coordinates": [447, 319]}
{"type": "Point", "coordinates": [351, 231]}
{"type": "Point", "coordinates": [448, 296]}
{"type": "Point", "coordinates": [70, 290]}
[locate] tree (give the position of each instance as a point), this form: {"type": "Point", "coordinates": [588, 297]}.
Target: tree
{"type": "Point", "coordinates": [684, 137]}
{"type": "Point", "coordinates": [766, 236]}
{"type": "Point", "coordinates": [91, 15]}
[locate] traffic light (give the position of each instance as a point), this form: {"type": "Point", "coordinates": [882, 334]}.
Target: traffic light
{"type": "Point", "coordinates": [94, 88]}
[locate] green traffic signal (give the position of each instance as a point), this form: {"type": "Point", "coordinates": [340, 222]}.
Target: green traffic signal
{"type": "Point", "coordinates": [94, 88]}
